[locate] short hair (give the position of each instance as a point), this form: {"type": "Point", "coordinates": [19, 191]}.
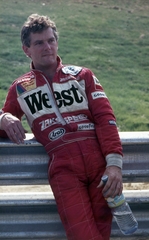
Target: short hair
{"type": "Point", "coordinates": [35, 24]}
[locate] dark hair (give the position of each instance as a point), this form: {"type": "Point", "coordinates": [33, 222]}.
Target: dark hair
{"type": "Point", "coordinates": [34, 24]}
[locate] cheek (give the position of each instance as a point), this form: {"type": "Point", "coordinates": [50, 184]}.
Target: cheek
{"type": "Point", "coordinates": [36, 53]}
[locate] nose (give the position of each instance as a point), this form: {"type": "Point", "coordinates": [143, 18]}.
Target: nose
{"type": "Point", "coordinates": [47, 45]}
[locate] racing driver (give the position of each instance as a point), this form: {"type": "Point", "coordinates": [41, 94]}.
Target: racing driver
{"type": "Point", "coordinates": [70, 114]}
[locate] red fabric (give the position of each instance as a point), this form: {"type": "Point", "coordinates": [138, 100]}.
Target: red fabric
{"type": "Point", "coordinates": [78, 98]}
{"type": "Point", "coordinates": [73, 119]}
{"type": "Point", "coordinates": [74, 174]}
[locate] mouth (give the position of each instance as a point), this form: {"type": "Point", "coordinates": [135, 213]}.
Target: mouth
{"type": "Point", "coordinates": [47, 55]}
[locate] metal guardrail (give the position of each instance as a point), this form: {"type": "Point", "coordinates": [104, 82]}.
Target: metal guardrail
{"type": "Point", "coordinates": [34, 215]}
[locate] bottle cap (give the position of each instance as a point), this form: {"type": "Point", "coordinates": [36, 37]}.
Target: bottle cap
{"type": "Point", "coordinates": [104, 179]}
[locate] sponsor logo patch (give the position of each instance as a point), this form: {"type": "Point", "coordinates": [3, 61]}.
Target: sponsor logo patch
{"type": "Point", "coordinates": [56, 133]}
{"type": "Point", "coordinates": [66, 97]}
{"type": "Point", "coordinates": [98, 94]}
{"type": "Point", "coordinates": [112, 122]}
{"type": "Point", "coordinates": [86, 126]}
{"type": "Point", "coordinates": [27, 84]}
{"type": "Point", "coordinates": [69, 119]}
{"type": "Point", "coordinates": [96, 81]}
{"type": "Point", "coordinates": [73, 70]}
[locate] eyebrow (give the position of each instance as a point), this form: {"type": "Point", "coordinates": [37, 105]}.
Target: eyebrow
{"type": "Point", "coordinates": [41, 40]}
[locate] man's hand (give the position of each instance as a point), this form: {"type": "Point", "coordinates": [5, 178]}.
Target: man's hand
{"type": "Point", "coordinates": [13, 127]}
{"type": "Point", "coordinates": [114, 185]}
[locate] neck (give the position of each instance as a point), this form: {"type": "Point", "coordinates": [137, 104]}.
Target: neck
{"type": "Point", "coordinates": [49, 71]}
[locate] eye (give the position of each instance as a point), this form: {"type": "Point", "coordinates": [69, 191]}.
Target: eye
{"type": "Point", "coordinates": [51, 40]}
{"type": "Point", "coordinates": [38, 42]}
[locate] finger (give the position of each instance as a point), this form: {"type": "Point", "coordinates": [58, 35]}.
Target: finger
{"type": "Point", "coordinates": [118, 189]}
{"type": "Point", "coordinates": [108, 190]}
{"type": "Point", "coordinates": [15, 135]}
{"type": "Point", "coordinates": [111, 189]}
{"type": "Point", "coordinates": [107, 186]}
{"type": "Point", "coordinates": [101, 184]}
{"type": "Point", "coordinates": [12, 136]}
{"type": "Point", "coordinates": [20, 131]}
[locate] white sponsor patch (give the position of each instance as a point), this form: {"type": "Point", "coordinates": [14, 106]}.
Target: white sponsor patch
{"type": "Point", "coordinates": [112, 122]}
{"type": "Point", "coordinates": [96, 81]}
{"type": "Point", "coordinates": [70, 96]}
{"type": "Point", "coordinates": [69, 119]}
{"type": "Point", "coordinates": [86, 126]}
{"type": "Point", "coordinates": [98, 94]}
{"type": "Point", "coordinates": [73, 70]}
{"type": "Point", "coordinates": [56, 133]}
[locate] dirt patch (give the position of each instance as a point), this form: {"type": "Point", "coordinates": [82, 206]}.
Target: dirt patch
{"type": "Point", "coordinates": [25, 188]}
{"type": "Point", "coordinates": [46, 188]}
{"type": "Point", "coordinates": [136, 186]}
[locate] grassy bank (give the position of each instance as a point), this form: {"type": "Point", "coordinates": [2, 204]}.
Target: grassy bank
{"type": "Point", "coordinates": [110, 37]}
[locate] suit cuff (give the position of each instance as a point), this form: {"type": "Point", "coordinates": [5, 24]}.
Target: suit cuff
{"type": "Point", "coordinates": [114, 159]}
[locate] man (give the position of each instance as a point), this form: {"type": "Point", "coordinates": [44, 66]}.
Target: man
{"type": "Point", "coordinates": [70, 114]}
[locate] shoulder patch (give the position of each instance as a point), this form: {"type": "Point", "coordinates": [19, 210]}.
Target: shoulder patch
{"type": "Point", "coordinates": [96, 80]}
{"type": "Point", "coordinates": [27, 83]}
{"type": "Point", "coordinates": [112, 122]}
{"type": "Point", "coordinates": [73, 70]}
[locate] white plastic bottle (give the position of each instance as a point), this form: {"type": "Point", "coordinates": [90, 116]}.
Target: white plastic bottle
{"type": "Point", "coordinates": [121, 212]}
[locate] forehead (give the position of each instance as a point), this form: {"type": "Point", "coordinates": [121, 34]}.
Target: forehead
{"type": "Point", "coordinates": [44, 35]}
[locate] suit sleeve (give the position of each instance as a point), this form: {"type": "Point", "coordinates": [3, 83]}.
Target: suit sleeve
{"type": "Point", "coordinates": [104, 120]}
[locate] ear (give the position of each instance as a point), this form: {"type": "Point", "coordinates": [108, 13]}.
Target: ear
{"type": "Point", "coordinates": [26, 50]}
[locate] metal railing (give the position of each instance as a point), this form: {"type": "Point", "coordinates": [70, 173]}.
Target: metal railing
{"type": "Point", "coordinates": [33, 215]}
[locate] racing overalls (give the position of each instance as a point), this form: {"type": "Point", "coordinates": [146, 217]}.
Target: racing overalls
{"type": "Point", "coordinates": [72, 117]}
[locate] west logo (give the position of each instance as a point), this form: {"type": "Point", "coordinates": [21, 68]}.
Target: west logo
{"type": "Point", "coordinates": [67, 97]}
{"type": "Point", "coordinates": [36, 101]}
{"type": "Point", "coordinates": [40, 99]}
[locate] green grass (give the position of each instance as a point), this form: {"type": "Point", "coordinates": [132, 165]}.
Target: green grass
{"type": "Point", "coordinates": [110, 37]}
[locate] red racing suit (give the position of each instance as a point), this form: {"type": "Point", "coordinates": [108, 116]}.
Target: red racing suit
{"type": "Point", "coordinates": [72, 117]}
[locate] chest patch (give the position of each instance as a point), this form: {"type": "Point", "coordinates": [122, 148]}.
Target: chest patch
{"type": "Point", "coordinates": [73, 70]}
{"type": "Point", "coordinates": [26, 84]}
{"type": "Point", "coordinates": [56, 133]}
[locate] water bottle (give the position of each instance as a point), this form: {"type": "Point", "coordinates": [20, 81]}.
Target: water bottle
{"type": "Point", "coordinates": [121, 212]}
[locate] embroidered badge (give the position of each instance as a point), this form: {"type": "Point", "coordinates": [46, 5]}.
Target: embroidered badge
{"type": "Point", "coordinates": [26, 84]}
{"type": "Point", "coordinates": [73, 70]}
